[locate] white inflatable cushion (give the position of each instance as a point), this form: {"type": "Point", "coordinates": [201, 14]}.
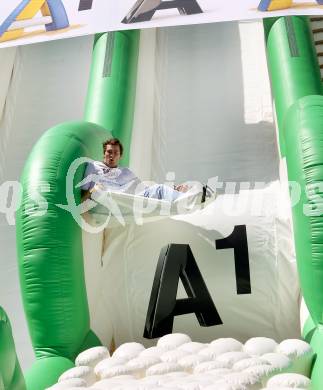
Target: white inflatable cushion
{"type": "Point", "coordinates": [277, 360]}
{"type": "Point", "coordinates": [234, 370]}
{"type": "Point", "coordinates": [152, 351]}
{"type": "Point", "coordinates": [155, 380]}
{"type": "Point", "coordinates": [113, 371]}
{"type": "Point", "coordinates": [221, 385]}
{"type": "Point", "coordinates": [78, 388]}
{"type": "Point", "coordinates": [172, 356]}
{"type": "Point", "coordinates": [301, 354]}
{"type": "Point", "coordinates": [168, 386]}
{"type": "Point", "coordinates": [81, 372]}
{"type": "Point", "coordinates": [261, 372]}
{"type": "Point", "coordinates": [203, 380]}
{"type": "Point", "coordinates": [232, 357]}
{"type": "Point", "coordinates": [123, 377]}
{"type": "Point", "coordinates": [204, 376]}
{"type": "Point", "coordinates": [289, 380]}
{"type": "Point", "coordinates": [294, 348]}
{"type": "Point", "coordinates": [212, 352]}
{"type": "Point", "coordinates": [228, 344]}
{"type": "Point", "coordinates": [163, 368]}
{"type": "Point", "coordinates": [92, 356]}
{"type": "Point", "coordinates": [242, 380]}
{"type": "Point", "coordinates": [210, 365]}
{"type": "Point", "coordinates": [189, 362]}
{"type": "Point", "coordinates": [107, 363]}
{"type": "Point", "coordinates": [75, 382]}
{"type": "Point", "coordinates": [129, 350]}
{"type": "Point", "coordinates": [249, 362]}
{"type": "Point", "coordinates": [192, 347]}
{"type": "Point", "coordinates": [220, 372]}
{"type": "Point", "coordinates": [257, 346]}
{"type": "Point", "coordinates": [173, 341]}
{"type": "Point", "coordinates": [126, 386]}
{"type": "Point", "coordinates": [112, 383]}
{"type": "Point", "coordinates": [178, 374]}
{"type": "Point", "coordinates": [191, 385]}
{"type": "Point", "coordinates": [283, 388]}
{"type": "Point", "coordinates": [140, 364]}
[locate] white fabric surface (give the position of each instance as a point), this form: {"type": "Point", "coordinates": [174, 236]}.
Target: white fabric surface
{"type": "Point", "coordinates": [193, 121]}
{"type": "Point", "coordinates": [131, 254]}
{"type": "Point", "coordinates": [202, 124]}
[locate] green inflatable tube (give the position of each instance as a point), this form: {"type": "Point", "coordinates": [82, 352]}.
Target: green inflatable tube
{"type": "Point", "coordinates": [45, 372]}
{"type": "Point", "coordinates": [11, 377]}
{"type": "Point", "coordinates": [51, 261]}
{"type": "Point", "coordinates": [296, 84]}
{"type": "Point", "coordinates": [49, 239]}
{"type": "Point", "coordinates": [110, 100]}
{"type": "Point", "coordinates": [304, 152]}
{"type": "Point", "coordinates": [293, 65]}
{"type": "Point", "coordinates": [305, 165]}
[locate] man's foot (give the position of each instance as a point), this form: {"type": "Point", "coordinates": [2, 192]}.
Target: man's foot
{"type": "Point", "coordinates": [208, 193]}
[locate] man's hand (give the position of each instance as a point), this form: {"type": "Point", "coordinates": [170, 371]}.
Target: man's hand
{"type": "Point", "coordinates": [87, 194]}
{"type": "Point", "coordinates": [182, 188]}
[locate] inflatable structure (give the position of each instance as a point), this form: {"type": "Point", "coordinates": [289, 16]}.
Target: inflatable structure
{"type": "Point", "coordinates": [223, 271]}
{"type": "Point", "coordinates": [54, 17]}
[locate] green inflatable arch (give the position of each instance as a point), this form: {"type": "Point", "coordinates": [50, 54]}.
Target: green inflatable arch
{"type": "Point", "coordinates": [50, 247]}
{"type": "Point", "coordinates": [297, 88]}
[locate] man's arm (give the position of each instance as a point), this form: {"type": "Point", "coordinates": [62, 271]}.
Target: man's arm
{"type": "Point", "coordinates": [88, 183]}
{"type": "Point", "coordinates": [86, 194]}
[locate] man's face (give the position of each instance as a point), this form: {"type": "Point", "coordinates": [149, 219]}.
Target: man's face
{"type": "Point", "coordinates": [112, 155]}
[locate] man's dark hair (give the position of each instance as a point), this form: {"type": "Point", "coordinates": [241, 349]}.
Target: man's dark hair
{"type": "Point", "coordinates": [112, 141]}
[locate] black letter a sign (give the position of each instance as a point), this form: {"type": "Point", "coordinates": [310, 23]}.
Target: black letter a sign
{"type": "Point", "coordinates": [176, 261]}
{"type": "Point", "coordinates": [85, 5]}
{"type": "Point", "coordinates": [144, 10]}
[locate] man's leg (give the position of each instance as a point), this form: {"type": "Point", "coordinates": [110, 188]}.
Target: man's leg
{"type": "Point", "coordinates": [161, 191]}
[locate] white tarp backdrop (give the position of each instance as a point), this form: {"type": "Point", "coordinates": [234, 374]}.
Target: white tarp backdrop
{"type": "Point", "coordinates": [271, 309]}
{"type": "Point", "coordinates": [107, 15]}
{"type": "Point", "coordinates": [206, 102]}
{"type": "Point", "coordinates": [199, 115]}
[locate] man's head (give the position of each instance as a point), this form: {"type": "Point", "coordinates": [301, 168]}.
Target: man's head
{"type": "Point", "coordinates": [112, 152]}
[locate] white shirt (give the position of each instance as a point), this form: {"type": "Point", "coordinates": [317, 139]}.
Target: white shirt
{"type": "Point", "coordinates": [116, 179]}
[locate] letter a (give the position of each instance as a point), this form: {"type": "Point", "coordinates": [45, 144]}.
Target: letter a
{"type": "Point", "coordinates": [176, 261]}
{"type": "Point", "coordinates": [144, 10]}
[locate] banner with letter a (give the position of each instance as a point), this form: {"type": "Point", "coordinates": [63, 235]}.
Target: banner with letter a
{"type": "Point", "coordinates": [30, 21]}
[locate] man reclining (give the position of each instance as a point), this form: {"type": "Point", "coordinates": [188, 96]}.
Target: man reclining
{"type": "Point", "coordinates": [107, 175]}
